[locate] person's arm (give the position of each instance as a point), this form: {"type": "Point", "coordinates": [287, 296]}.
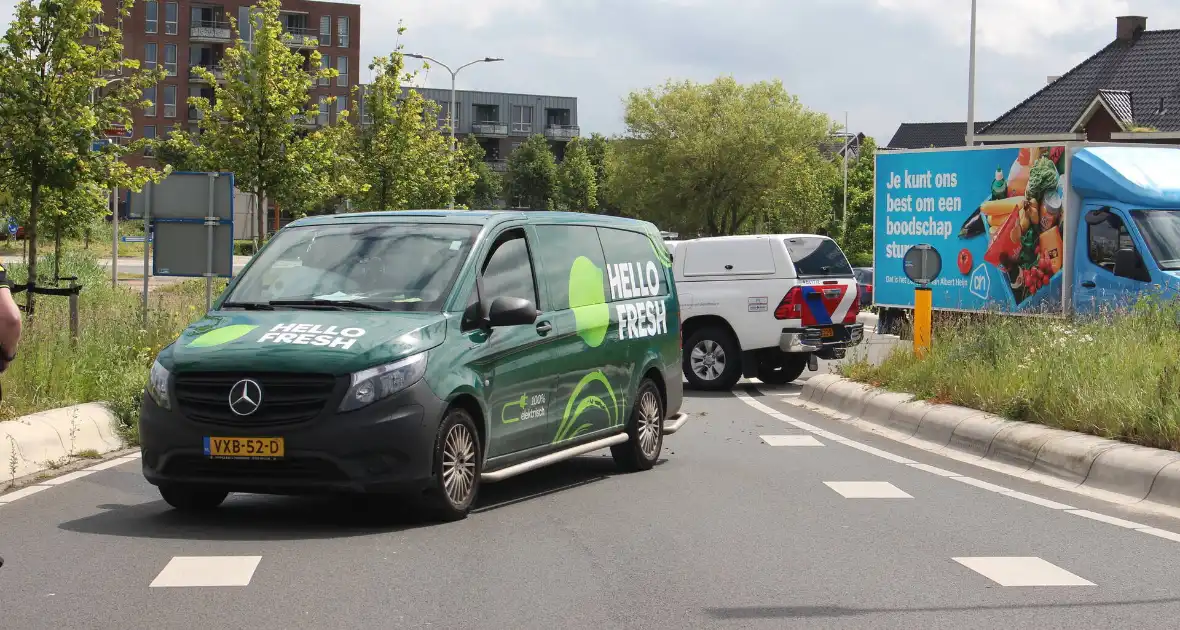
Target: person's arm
{"type": "Point", "coordinates": [10, 321]}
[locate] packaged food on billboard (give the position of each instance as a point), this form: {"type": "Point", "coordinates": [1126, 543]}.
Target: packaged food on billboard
{"type": "Point", "coordinates": [1051, 247]}
{"type": "Point", "coordinates": [1006, 246]}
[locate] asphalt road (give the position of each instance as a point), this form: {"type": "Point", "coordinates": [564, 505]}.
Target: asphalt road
{"type": "Point", "coordinates": [726, 532]}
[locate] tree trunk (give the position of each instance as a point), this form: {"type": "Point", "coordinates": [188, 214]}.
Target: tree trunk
{"type": "Point", "coordinates": [31, 235]}
{"type": "Point", "coordinates": [259, 219]}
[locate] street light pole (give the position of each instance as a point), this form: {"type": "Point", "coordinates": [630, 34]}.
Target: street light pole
{"type": "Point", "coordinates": [971, 84]}
{"type": "Point", "coordinates": [451, 108]}
{"type": "Point", "coordinates": [115, 204]}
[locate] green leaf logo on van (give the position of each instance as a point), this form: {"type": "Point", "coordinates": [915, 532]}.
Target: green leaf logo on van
{"type": "Point", "coordinates": [588, 301]}
{"type": "Point", "coordinates": [221, 336]}
{"type": "Point", "coordinates": [578, 405]}
{"type": "Point", "coordinates": [661, 253]}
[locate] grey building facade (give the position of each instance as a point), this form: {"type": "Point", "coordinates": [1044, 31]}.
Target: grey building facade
{"type": "Point", "coordinates": [502, 121]}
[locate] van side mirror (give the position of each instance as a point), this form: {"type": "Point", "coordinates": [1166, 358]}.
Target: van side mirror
{"type": "Point", "coordinates": [511, 311]}
{"type": "Point", "coordinates": [1129, 264]}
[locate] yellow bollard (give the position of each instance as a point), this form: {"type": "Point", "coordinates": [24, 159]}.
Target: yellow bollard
{"type": "Point", "coordinates": [923, 299]}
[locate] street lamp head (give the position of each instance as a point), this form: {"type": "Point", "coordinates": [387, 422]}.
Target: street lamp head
{"type": "Point", "coordinates": [414, 55]}
{"type": "Point", "coordinates": [491, 59]}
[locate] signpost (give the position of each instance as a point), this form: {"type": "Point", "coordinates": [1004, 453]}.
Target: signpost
{"type": "Point", "coordinates": [177, 213]}
{"type": "Point", "coordinates": [922, 264]}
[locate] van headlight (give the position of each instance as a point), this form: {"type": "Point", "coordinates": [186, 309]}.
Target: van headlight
{"type": "Point", "coordinates": [157, 386]}
{"type": "Point", "coordinates": [369, 386]}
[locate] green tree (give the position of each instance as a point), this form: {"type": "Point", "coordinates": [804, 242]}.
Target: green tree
{"type": "Point", "coordinates": [722, 158]}
{"type": "Point", "coordinates": [58, 65]}
{"type": "Point", "coordinates": [601, 153]}
{"type": "Point", "coordinates": [531, 179]}
{"type": "Point", "coordinates": [257, 124]}
{"type": "Point", "coordinates": [487, 187]}
{"type": "Point", "coordinates": [577, 179]}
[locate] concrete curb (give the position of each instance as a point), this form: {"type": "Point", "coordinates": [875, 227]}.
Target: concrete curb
{"type": "Point", "coordinates": [1134, 474]}
{"type": "Point", "coordinates": [49, 439]}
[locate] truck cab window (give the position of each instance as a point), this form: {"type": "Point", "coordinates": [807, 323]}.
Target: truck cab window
{"type": "Point", "coordinates": [1105, 241]}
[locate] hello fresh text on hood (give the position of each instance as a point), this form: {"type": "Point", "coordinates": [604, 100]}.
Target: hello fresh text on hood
{"type": "Point", "coordinates": [313, 335]}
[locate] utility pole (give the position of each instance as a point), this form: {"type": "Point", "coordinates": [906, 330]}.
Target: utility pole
{"type": "Point", "coordinates": [971, 84]}
{"type": "Point", "coordinates": [451, 107]}
{"type": "Point", "coordinates": [847, 150]}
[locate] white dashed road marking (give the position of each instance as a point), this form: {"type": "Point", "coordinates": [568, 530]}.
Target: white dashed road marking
{"type": "Point", "coordinates": [934, 470]}
{"type": "Point", "coordinates": [22, 493]}
{"type": "Point", "coordinates": [66, 478]}
{"type": "Point", "coordinates": [195, 571]}
{"type": "Point", "coordinates": [1028, 571]}
{"type": "Point", "coordinates": [69, 477]}
{"type": "Point", "coordinates": [867, 490]}
{"type": "Point", "coordinates": [790, 440]}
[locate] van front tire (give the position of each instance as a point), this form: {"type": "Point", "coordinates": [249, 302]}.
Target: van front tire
{"type": "Point", "coordinates": [192, 498]}
{"type": "Point", "coordinates": [645, 431]}
{"type": "Point", "coordinates": [458, 459]}
{"type": "Point", "coordinates": [712, 360]}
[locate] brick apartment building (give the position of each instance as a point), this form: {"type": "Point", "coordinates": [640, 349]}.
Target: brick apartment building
{"type": "Point", "coordinates": [181, 34]}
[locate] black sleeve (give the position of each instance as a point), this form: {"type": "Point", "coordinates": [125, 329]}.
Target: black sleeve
{"type": "Point", "coordinates": [4, 281]}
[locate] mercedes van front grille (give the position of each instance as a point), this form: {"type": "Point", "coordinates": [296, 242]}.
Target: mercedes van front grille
{"type": "Point", "coordinates": [282, 398]}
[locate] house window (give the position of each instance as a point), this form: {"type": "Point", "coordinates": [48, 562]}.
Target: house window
{"type": "Point", "coordinates": [326, 30]}
{"type": "Point", "coordinates": [149, 133]}
{"type": "Point", "coordinates": [246, 25]}
{"type": "Point", "coordinates": [149, 56]}
{"type": "Point", "coordinates": [149, 94]}
{"type": "Point", "coordinates": [152, 17]}
{"type": "Point", "coordinates": [171, 10]}
{"type": "Point", "coordinates": [170, 59]}
{"type": "Point", "coordinates": [342, 31]}
{"type": "Point", "coordinates": [325, 64]}
{"type": "Point", "coordinates": [342, 67]}
{"type": "Point", "coordinates": [169, 101]}
{"type": "Point", "coordinates": [522, 118]}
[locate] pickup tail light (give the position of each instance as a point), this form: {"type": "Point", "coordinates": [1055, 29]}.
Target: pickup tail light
{"type": "Point", "coordinates": [791, 306]}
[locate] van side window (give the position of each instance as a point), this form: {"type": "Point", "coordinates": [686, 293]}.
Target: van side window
{"type": "Point", "coordinates": [558, 247]}
{"type": "Point", "coordinates": [508, 270]}
{"type": "Point", "coordinates": [1106, 239]}
{"type": "Point", "coordinates": [632, 268]}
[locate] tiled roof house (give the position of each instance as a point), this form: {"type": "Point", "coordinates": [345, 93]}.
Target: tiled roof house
{"type": "Point", "coordinates": [1128, 91]}
{"type": "Point", "coordinates": [931, 135]}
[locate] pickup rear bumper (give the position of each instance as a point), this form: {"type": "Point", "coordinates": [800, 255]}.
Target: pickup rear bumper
{"type": "Point", "coordinates": [812, 339]}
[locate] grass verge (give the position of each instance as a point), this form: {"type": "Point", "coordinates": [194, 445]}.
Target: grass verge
{"type": "Point", "coordinates": [1116, 377]}
{"type": "Point", "coordinates": [114, 351]}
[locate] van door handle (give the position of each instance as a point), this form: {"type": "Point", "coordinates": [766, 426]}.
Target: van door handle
{"type": "Point", "coordinates": [544, 328]}
{"type": "Point", "coordinates": [1089, 284]}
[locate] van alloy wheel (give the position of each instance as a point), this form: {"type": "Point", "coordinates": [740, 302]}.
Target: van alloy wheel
{"type": "Point", "coordinates": [459, 464]}
{"type": "Point", "coordinates": [645, 430]}
{"type": "Point", "coordinates": [708, 360]}
{"type": "Point", "coordinates": [649, 424]}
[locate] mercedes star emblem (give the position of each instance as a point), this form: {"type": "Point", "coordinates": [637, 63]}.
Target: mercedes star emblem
{"type": "Point", "coordinates": [245, 397]}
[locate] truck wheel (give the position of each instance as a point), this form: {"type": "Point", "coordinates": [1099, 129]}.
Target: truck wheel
{"type": "Point", "coordinates": [645, 428]}
{"type": "Point", "coordinates": [790, 368]}
{"type": "Point", "coordinates": [192, 498]}
{"type": "Point", "coordinates": [713, 361]}
{"type": "Point", "coordinates": [457, 466]}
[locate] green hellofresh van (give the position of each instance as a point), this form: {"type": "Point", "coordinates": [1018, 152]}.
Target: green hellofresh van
{"type": "Point", "coordinates": [420, 354]}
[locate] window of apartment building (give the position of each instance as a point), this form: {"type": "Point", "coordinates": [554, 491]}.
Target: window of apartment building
{"type": "Point", "coordinates": [170, 59]}
{"type": "Point", "coordinates": [522, 118]}
{"type": "Point", "coordinates": [149, 133]}
{"type": "Point", "coordinates": [325, 64]}
{"type": "Point", "coordinates": [321, 117]}
{"type": "Point", "coordinates": [246, 24]}
{"type": "Point", "coordinates": [342, 31]}
{"type": "Point", "coordinates": [169, 101]}
{"type": "Point", "coordinates": [151, 16]}
{"type": "Point", "coordinates": [171, 11]}
{"type": "Point", "coordinates": [342, 68]}
{"type": "Point", "coordinates": [326, 30]}
{"type": "Point", "coordinates": [149, 94]}
{"type": "Point", "coordinates": [149, 56]}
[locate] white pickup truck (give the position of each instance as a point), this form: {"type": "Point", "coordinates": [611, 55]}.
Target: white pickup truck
{"type": "Point", "coordinates": [763, 306]}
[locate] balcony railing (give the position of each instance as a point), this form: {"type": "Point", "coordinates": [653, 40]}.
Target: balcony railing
{"type": "Point", "coordinates": [490, 129]}
{"type": "Point", "coordinates": [498, 166]}
{"type": "Point", "coordinates": [213, 30]}
{"type": "Point", "coordinates": [303, 37]}
{"type": "Point", "coordinates": [214, 69]}
{"type": "Point", "coordinates": [562, 132]}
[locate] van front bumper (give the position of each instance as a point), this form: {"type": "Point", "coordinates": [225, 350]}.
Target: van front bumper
{"type": "Point", "coordinates": [385, 447]}
{"type": "Point", "coordinates": [812, 339]}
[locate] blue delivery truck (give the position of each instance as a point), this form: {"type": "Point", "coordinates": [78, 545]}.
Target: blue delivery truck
{"type": "Point", "coordinates": [1060, 229]}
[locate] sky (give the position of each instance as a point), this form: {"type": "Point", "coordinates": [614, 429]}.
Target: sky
{"type": "Point", "coordinates": [883, 62]}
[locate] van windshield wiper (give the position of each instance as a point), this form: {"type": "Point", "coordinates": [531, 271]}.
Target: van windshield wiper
{"type": "Point", "coordinates": [249, 306]}
{"type": "Point", "coordinates": [340, 304]}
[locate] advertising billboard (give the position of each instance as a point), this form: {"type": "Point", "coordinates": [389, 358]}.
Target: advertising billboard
{"type": "Point", "coordinates": [993, 214]}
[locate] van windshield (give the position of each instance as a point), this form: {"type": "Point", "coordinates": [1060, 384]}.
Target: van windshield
{"type": "Point", "coordinates": [815, 257]}
{"type": "Point", "coordinates": [397, 267]}
{"type": "Point", "coordinates": [1161, 230]}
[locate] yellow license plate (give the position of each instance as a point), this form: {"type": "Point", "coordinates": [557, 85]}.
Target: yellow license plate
{"type": "Point", "coordinates": [827, 332]}
{"type": "Point", "coordinates": [239, 447]}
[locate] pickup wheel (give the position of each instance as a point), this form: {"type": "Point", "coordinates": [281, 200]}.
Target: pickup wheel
{"type": "Point", "coordinates": [790, 367]}
{"type": "Point", "coordinates": [713, 360]}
